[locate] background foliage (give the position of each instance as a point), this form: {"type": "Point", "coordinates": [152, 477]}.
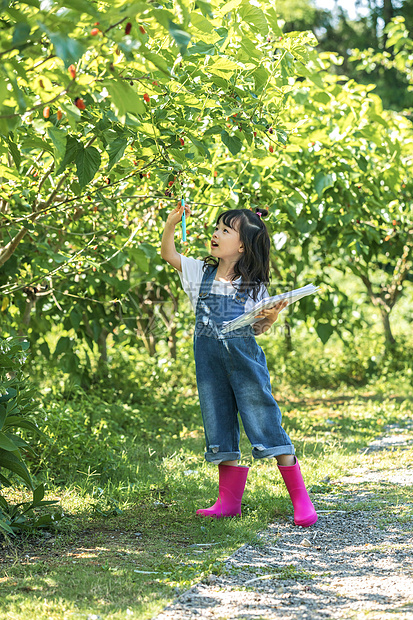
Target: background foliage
{"type": "Point", "coordinates": [109, 113]}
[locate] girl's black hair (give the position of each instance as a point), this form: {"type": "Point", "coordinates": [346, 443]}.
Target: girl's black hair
{"type": "Point", "coordinates": [254, 264]}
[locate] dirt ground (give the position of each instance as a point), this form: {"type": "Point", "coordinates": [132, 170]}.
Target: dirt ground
{"type": "Point", "coordinates": [356, 562]}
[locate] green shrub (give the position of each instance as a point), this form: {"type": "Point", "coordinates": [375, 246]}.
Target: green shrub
{"type": "Point", "coordinates": [17, 404]}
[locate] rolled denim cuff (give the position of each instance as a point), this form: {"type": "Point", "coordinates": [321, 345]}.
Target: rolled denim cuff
{"type": "Point", "coordinates": [269, 453]}
{"type": "Point", "coordinates": [218, 457]}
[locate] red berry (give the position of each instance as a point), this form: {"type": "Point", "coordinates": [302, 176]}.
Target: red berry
{"type": "Point", "coordinates": [59, 115]}
{"type": "Point", "coordinates": [182, 141]}
{"type": "Point", "coordinates": [72, 71]}
{"type": "Point", "coordinates": [215, 173]}
{"type": "Point", "coordinates": [128, 28]}
{"type": "Point", "coordinates": [394, 222]}
{"type": "Point", "coordinates": [170, 183]}
{"type": "Point", "coordinates": [142, 29]}
{"type": "Point", "coordinates": [94, 31]}
{"type": "Point", "coordinates": [271, 149]}
{"type": "Point", "coordinates": [255, 134]}
{"type": "Point", "coordinates": [146, 98]}
{"type": "Point", "coordinates": [46, 112]}
{"type": "Point", "coordinates": [79, 103]}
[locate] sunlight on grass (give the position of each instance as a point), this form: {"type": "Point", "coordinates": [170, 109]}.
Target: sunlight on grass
{"type": "Point", "coordinates": [131, 542]}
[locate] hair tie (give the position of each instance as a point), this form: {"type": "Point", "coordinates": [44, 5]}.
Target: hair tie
{"type": "Point", "coordinates": [259, 214]}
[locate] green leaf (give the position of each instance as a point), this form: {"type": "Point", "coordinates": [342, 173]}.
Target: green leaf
{"type": "Point", "coordinates": [223, 67]}
{"type": "Point", "coordinates": [59, 139]}
{"type": "Point", "coordinates": [21, 34]}
{"type": "Point", "coordinates": [69, 50]}
{"type": "Point", "coordinates": [254, 17]}
{"type": "Point", "coordinates": [362, 163]}
{"type": "Point", "coordinates": [323, 180]}
{"type": "Point", "coordinates": [118, 260]}
{"type": "Point", "coordinates": [305, 224]}
{"type": "Point", "coordinates": [6, 443]}
{"type": "Point", "coordinates": [199, 145]}
{"type": "Point", "coordinates": [82, 6]}
{"type": "Point", "coordinates": [229, 6]}
{"type": "Point", "coordinates": [19, 422]}
{"type": "Point", "coordinates": [261, 77]}
{"type": "Point", "coordinates": [6, 527]}
{"type": "Point", "coordinates": [72, 149]}
{"type": "Point", "coordinates": [75, 318]}
{"type": "Point", "coordinates": [116, 150]}
{"type": "Point", "coordinates": [233, 143]}
{"type": "Point", "coordinates": [63, 345]}
{"type": "Point", "coordinates": [201, 48]}
{"type": "Point", "coordinates": [12, 463]}
{"type": "Point", "coordinates": [87, 164]}
{"type": "Point", "coordinates": [140, 259]}
{"type": "Point", "coordinates": [72, 112]}
{"type": "Point", "coordinates": [38, 494]}
{"type": "Point", "coordinates": [324, 331]}
{"type": "Point", "coordinates": [124, 98]}
{"type": "Point", "coordinates": [3, 414]}
{"type": "Point", "coordinates": [158, 62]}
{"type": "Point", "coordinates": [15, 153]}
{"type": "Point", "coordinates": [181, 37]}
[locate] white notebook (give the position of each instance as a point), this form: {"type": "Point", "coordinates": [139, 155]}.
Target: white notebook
{"type": "Point", "coordinates": [249, 317]}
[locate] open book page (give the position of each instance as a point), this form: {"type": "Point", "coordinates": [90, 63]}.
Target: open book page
{"type": "Point", "coordinates": [248, 318]}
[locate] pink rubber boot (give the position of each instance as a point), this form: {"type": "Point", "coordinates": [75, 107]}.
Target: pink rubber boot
{"type": "Point", "coordinates": [232, 481]}
{"type": "Point", "coordinates": [304, 512]}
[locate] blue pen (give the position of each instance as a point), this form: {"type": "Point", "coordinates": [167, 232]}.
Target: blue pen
{"type": "Point", "coordinates": [183, 221]}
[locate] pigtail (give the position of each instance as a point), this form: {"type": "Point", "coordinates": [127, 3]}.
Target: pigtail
{"type": "Point", "coordinates": [261, 212]}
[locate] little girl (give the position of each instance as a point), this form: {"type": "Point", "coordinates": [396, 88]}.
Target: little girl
{"type": "Point", "coordinates": [231, 369]}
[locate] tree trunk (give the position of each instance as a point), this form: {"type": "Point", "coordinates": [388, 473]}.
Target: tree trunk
{"type": "Point", "coordinates": [388, 11]}
{"type": "Point", "coordinates": [385, 317]}
{"type": "Point", "coordinates": [103, 350]}
{"type": "Point", "coordinates": [287, 336]}
{"type": "Point", "coordinates": [388, 14]}
{"type": "Point", "coordinates": [172, 342]}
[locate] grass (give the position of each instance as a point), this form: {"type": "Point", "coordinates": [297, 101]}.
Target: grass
{"type": "Point", "coordinates": [129, 542]}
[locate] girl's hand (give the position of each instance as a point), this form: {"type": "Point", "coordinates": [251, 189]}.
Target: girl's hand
{"type": "Point", "coordinates": [268, 317]}
{"type": "Point", "coordinates": [175, 216]}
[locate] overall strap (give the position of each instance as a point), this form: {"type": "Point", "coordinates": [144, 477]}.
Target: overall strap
{"type": "Point", "coordinates": [207, 281]}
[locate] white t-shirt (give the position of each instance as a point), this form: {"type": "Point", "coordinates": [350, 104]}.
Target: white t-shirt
{"type": "Point", "coordinates": [191, 278]}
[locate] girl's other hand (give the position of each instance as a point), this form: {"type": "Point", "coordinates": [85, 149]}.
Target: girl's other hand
{"type": "Point", "coordinates": [175, 215]}
{"type": "Point", "coordinates": [268, 316]}
{"type": "Point", "coordinates": [271, 314]}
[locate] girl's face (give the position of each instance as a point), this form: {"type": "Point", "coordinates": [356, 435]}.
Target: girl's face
{"type": "Point", "coordinates": [225, 243]}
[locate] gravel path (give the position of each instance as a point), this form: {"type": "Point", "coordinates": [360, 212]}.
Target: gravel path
{"type": "Point", "coordinates": [352, 564]}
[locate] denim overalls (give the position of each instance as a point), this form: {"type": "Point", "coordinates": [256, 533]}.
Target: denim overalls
{"type": "Point", "coordinates": [232, 376]}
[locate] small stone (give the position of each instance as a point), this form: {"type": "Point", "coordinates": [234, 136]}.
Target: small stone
{"type": "Point", "coordinates": [305, 542]}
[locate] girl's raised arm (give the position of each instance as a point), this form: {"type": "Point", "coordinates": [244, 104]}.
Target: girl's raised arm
{"type": "Point", "coordinates": [168, 250]}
